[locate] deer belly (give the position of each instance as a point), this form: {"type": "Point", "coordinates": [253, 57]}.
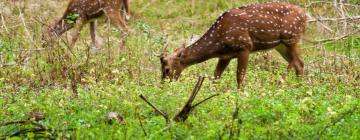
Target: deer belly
{"type": "Point", "coordinates": [265, 40]}
{"type": "Point", "coordinates": [265, 45]}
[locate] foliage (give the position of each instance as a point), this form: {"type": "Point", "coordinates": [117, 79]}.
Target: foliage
{"type": "Point", "coordinates": [273, 104]}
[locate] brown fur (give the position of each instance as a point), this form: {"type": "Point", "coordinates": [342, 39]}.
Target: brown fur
{"type": "Point", "coordinates": [239, 32]}
{"type": "Point", "coordinates": [88, 10]}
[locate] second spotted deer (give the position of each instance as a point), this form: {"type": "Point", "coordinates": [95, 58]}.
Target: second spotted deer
{"type": "Point", "coordinates": [239, 32]}
{"type": "Point", "coordinates": [81, 12]}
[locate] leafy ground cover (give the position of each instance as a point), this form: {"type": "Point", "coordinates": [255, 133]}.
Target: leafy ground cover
{"type": "Point", "coordinates": [274, 104]}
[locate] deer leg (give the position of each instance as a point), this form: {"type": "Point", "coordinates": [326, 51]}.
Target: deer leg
{"type": "Point", "coordinates": [75, 35]}
{"type": "Point", "coordinates": [220, 67]}
{"type": "Point", "coordinates": [243, 59]}
{"type": "Point", "coordinates": [126, 10]}
{"type": "Point", "coordinates": [93, 34]}
{"type": "Point", "coordinates": [116, 19]}
{"type": "Point", "coordinates": [291, 55]}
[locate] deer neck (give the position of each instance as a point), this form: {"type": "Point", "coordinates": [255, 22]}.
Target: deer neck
{"type": "Point", "coordinates": [200, 51]}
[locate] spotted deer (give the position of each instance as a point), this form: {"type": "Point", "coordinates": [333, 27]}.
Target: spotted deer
{"type": "Point", "coordinates": [239, 32]}
{"type": "Point", "coordinates": [81, 12]}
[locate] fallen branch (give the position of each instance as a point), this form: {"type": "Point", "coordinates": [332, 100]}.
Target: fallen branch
{"type": "Point", "coordinates": [39, 130]}
{"type": "Point", "coordinates": [188, 107]}
{"type": "Point", "coordinates": [334, 19]}
{"type": "Point", "coordinates": [332, 39]}
{"type": "Point", "coordinates": [166, 117]}
{"type": "Point", "coordinates": [185, 111]}
{"type": "Point", "coordinates": [329, 2]}
{"type": "Point", "coordinates": [32, 118]}
{"type": "Point", "coordinates": [13, 123]}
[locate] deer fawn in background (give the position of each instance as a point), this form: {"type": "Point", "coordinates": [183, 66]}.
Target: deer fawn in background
{"type": "Point", "coordinates": [239, 32]}
{"type": "Point", "coordinates": [81, 12]}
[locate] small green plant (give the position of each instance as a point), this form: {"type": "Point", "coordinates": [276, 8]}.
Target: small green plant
{"type": "Point", "coordinates": [71, 18]}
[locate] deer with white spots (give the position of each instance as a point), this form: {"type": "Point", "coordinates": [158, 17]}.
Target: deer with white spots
{"type": "Point", "coordinates": [239, 32]}
{"type": "Point", "coordinates": [81, 12]}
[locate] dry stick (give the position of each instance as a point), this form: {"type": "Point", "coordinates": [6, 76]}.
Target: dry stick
{"type": "Point", "coordinates": [337, 38]}
{"type": "Point", "coordinates": [14, 122]}
{"type": "Point", "coordinates": [166, 117]}
{"type": "Point", "coordinates": [25, 27]}
{"type": "Point", "coordinates": [317, 2]}
{"type": "Point", "coordinates": [24, 131]}
{"type": "Point", "coordinates": [208, 98]}
{"type": "Point", "coordinates": [334, 19]}
{"type": "Point", "coordinates": [36, 130]}
{"type": "Point", "coordinates": [331, 39]}
{"type": "Point", "coordinates": [4, 24]}
{"type": "Point", "coordinates": [141, 124]}
{"type": "Point", "coordinates": [147, 5]}
{"type": "Point", "coordinates": [326, 27]}
{"type": "Point", "coordinates": [185, 111]}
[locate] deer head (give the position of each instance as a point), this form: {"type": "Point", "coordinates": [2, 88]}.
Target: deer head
{"type": "Point", "coordinates": [172, 65]}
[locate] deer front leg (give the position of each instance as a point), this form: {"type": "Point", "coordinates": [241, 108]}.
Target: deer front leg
{"type": "Point", "coordinates": [291, 55]}
{"type": "Point", "coordinates": [126, 10]}
{"type": "Point", "coordinates": [93, 34]}
{"type": "Point", "coordinates": [220, 67]}
{"type": "Point", "coordinates": [243, 59]}
{"type": "Point", "coordinates": [75, 35]}
{"type": "Point", "coordinates": [116, 19]}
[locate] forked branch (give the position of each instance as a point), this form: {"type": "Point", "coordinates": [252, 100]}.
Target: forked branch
{"type": "Point", "coordinates": [166, 117]}
{"type": "Point", "coordinates": [188, 107]}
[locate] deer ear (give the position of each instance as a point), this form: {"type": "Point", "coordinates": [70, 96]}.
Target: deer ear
{"type": "Point", "coordinates": [179, 54]}
{"type": "Point", "coordinates": [162, 57]}
{"type": "Point", "coordinates": [183, 45]}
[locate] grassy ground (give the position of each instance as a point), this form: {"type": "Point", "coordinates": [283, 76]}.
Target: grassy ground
{"type": "Point", "coordinates": [323, 104]}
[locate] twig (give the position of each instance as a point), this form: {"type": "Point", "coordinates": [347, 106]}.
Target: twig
{"type": "Point", "coordinates": [333, 19]}
{"type": "Point", "coordinates": [24, 131]}
{"type": "Point", "coordinates": [25, 27]}
{"type": "Point", "coordinates": [317, 2]}
{"type": "Point", "coordinates": [147, 5]}
{"type": "Point", "coordinates": [166, 117]}
{"type": "Point", "coordinates": [12, 123]}
{"type": "Point", "coordinates": [141, 124]}
{"type": "Point", "coordinates": [4, 24]}
{"type": "Point", "coordinates": [37, 130]}
{"type": "Point", "coordinates": [31, 50]}
{"type": "Point", "coordinates": [331, 39]}
{"type": "Point", "coordinates": [208, 98]}
{"type": "Point", "coordinates": [326, 27]}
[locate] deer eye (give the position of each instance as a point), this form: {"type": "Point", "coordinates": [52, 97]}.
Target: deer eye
{"type": "Point", "coordinates": [167, 71]}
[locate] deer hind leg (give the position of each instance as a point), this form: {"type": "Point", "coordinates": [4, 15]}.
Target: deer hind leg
{"type": "Point", "coordinates": [291, 55]}
{"type": "Point", "coordinates": [220, 67]}
{"type": "Point", "coordinates": [243, 59]}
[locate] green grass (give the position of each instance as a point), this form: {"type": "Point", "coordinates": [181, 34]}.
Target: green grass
{"type": "Point", "coordinates": [273, 104]}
